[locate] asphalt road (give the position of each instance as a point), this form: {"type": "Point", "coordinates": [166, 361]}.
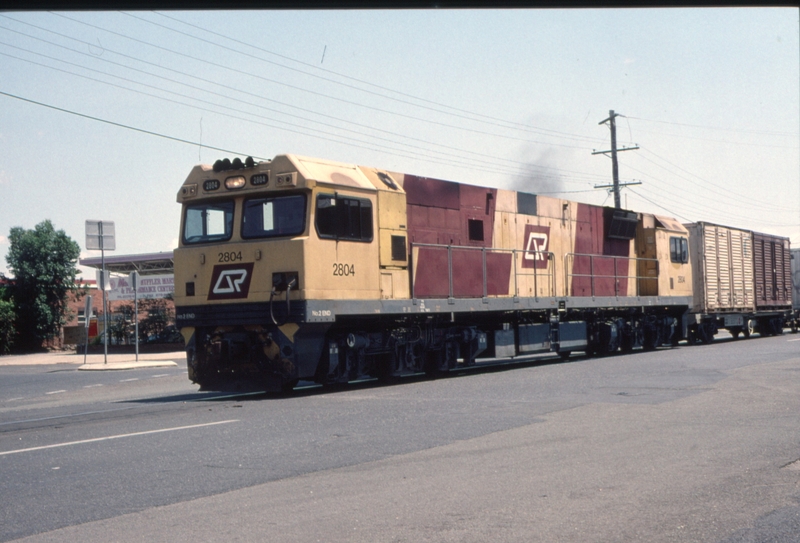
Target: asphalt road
{"type": "Point", "coordinates": [686, 444]}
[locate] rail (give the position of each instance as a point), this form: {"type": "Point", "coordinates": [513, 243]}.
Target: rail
{"type": "Point", "coordinates": [546, 276]}
{"type": "Point", "coordinates": [599, 277]}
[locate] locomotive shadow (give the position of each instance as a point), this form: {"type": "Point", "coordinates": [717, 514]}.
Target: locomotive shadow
{"type": "Point", "coordinates": [248, 391]}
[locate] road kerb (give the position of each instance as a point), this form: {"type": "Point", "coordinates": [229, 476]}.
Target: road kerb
{"type": "Point", "coordinates": [132, 365]}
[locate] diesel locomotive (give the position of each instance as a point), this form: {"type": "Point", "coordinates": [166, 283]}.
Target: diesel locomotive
{"type": "Point", "coordinates": [300, 268]}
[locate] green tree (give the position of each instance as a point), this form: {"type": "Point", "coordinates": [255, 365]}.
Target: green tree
{"type": "Point", "coordinates": [159, 316]}
{"type": "Point", "coordinates": [122, 328]}
{"type": "Point", "coordinates": [7, 318]}
{"type": "Point", "coordinates": [43, 263]}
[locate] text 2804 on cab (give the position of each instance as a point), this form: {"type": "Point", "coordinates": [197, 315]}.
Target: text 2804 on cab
{"type": "Point", "coordinates": [230, 256]}
{"type": "Point", "coordinates": [343, 270]}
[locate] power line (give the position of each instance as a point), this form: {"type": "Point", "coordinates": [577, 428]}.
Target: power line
{"type": "Point", "coordinates": [704, 127]}
{"type": "Point", "coordinates": [660, 206]}
{"type": "Point", "coordinates": [142, 130]}
{"type": "Point", "coordinates": [470, 155]}
{"type": "Point", "coordinates": [690, 204]}
{"type": "Point", "coordinates": [463, 162]}
{"type": "Point", "coordinates": [727, 142]}
{"type": "Point", "coordinates": [701, 210]}
{"type": "Point", "coordinates": [614, 166]}
{"type": "Point", "coordinates": [478, 116]}
{"type": "Point", "coordinates": [295, 87]}
{"type": "Point", "coordinates": [750, 203]}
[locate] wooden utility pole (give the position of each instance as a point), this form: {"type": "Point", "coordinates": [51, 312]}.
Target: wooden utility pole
{"type": "Point", "coordinates": [614, 166]}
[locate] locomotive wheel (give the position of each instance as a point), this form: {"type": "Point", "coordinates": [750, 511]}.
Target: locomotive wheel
{"type": "Point", "coordinates": [289, 385]}
{"type": "Point", "coordinates": [433, 363]}
{"type": "Point", "coordinates": [626, 344]}
{"type": "Point", "coordinates": [650, 341]}
{"type": "Point", "coordinates": [203, 378]}
{"type": "Point", "coordinates": [735, 331]}
{"type": "Point", "coordinates": [197, 375]}
{"type": "Point", "coordinates": [706, 336]}
{"type": "Point", "coordinates": [564, 354]}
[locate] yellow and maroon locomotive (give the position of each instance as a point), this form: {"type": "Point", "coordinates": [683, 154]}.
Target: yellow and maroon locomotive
{"type": "Point", "coordinates": [301, 268]}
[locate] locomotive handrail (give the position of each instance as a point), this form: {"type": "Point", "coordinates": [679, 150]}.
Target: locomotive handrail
{"type": "Point", "coordinates": [616, 276]}
{"type": "Point", "coordinates": [549, 274]}
{"type": "Point", "coordinates": [551, 258]}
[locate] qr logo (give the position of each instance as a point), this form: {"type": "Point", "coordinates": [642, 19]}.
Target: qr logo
{"type": "Point", "coordinates": [536, 242]}
{"type": "Point", "coordinates": [230, 281]}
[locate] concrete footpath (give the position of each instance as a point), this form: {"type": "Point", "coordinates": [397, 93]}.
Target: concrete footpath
{"type": "Point", "coordinates": [97, 362]}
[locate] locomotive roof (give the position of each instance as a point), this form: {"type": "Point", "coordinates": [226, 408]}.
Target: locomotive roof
{"type": "Point", "coordinates": [305, 172]}
{"type": "Point", "coordinates": [308, 172]}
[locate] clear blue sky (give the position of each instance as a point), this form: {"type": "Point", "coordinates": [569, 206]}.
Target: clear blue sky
{"type": "Point", "coordinates": [504, 98]}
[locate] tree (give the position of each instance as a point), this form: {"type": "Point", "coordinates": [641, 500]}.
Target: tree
{"type": "Point", "coordinates": [43, 263]}
{"type": "Point", "coordinates": [121, 329]}
{"type": "Point", "coordinates": [158, 317]}
{"type": "Point", "coordinates": [7, 318]}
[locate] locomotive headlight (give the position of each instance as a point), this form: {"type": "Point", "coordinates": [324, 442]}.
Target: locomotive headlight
{"type": "Point", "coordinates": [235, 182]}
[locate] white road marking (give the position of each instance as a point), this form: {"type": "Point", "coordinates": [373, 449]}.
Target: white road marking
{"type": "Point", "coordinates": [95, 440]}
{"type": "Point", "coordinates": [92, 386]}
{"type": "Point", "coordinates": [55, 392]}
{"type": "Point", "coordinates": [129, 380]}
{"type": "Point", "coordinates": [63, 416]}
{"type": "Point", "coordinates": [793, 340]}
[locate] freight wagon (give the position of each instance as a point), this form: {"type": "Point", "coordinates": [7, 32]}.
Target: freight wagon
{"type": "Point", "coordinates": [742, 282]}
{"type": "Point", "coordinates": [795, 259]}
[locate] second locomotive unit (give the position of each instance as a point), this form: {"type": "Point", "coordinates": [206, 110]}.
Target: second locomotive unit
{"type": "Point", "coordinates": [307, 269]}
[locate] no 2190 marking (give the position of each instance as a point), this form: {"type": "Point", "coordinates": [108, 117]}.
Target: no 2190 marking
{"type": "Point", "coordinates": [343, 270]}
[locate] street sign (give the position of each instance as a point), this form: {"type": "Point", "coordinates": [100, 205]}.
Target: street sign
{"type": "Point", "coordinates": [100, 236]}
{"type": "Point", "coordinates": [134, 278]}
{"type": "Point", "coordinates": [87, 311]}
{"type": "Point", "coordinates": [103, 279]}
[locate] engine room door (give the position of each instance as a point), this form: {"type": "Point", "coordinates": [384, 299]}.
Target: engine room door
{"type": "Point", "coordinates": [647, 270]}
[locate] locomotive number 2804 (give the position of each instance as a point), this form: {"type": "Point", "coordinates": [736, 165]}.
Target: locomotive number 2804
{"type": "Point", "coordinates": [230, 256]}
{"type": "Point", "coordinates": [343, 270]}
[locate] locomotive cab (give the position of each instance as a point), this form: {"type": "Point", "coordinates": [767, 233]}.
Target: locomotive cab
{"type": "Point", "coordinates": [258, 239]}
{"type": "Point", "coordinates": [663, 246]}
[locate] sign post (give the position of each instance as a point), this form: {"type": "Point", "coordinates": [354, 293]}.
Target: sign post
{"type": "Point", "coordinates": [100, 236]}
{"type": "Point", "coordinates": [134, 277]}
{"type": "Point", "coordinates": [87, 315]}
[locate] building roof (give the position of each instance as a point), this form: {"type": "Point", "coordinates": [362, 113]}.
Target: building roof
{"type": "Point", "coordinates": [145, 264]}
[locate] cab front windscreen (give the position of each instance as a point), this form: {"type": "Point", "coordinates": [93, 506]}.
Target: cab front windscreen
{"type": "Point", "coordinates": [274, 216]}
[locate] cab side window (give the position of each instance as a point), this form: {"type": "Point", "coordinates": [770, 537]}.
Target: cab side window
{"type": "Point", "coordinates": [204, 223]}
{"type": "Point", "coordinates": [678, 250]}
{"type": "Point", "coordinates": [343, 217]}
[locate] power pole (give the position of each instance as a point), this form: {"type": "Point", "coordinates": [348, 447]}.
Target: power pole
{"type": "Point", "coordinates": [614, 166]}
